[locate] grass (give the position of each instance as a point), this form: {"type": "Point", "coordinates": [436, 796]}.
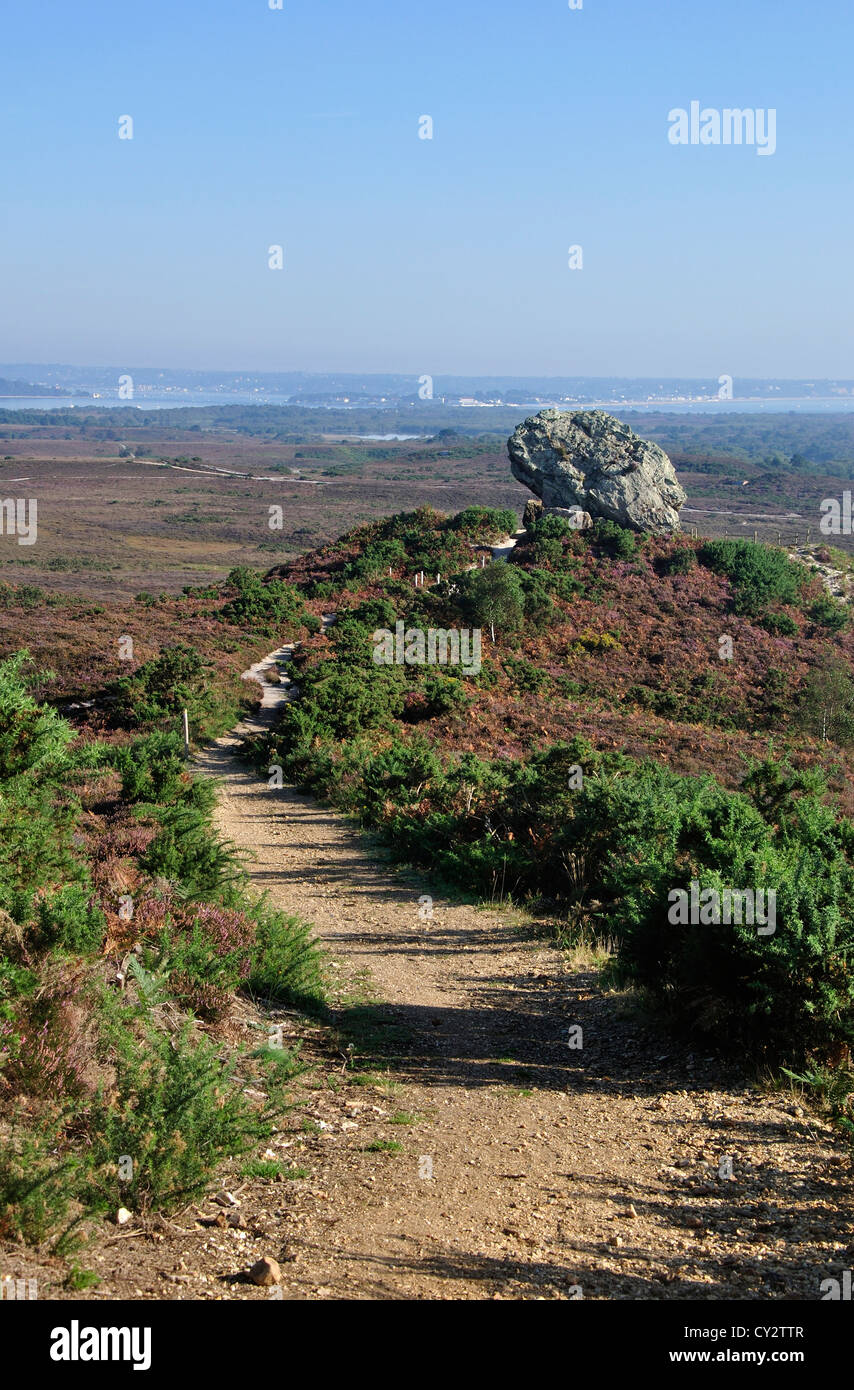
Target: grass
{"type": "Point", "coordinates": [830, 1089]}
{"type": "Point", "coordinates": [383, 1146]}
{"type": "Point", "coordinates": [372, 1078]}
{"type": "Point", "coordinates": [261, 1168]}
{"type": "Point", "coordinates": [79, 1278]}
{"type": "Point", "coordinates": [403, 1117]}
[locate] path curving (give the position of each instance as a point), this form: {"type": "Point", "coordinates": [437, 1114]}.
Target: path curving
{"type": "Point", "coordinates": [534, 1168]}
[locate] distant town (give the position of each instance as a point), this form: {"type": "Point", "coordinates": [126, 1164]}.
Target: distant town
{"type": "Point", "coordinates": [126, 383]}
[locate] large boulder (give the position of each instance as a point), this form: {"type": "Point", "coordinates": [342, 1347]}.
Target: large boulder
{"type": "Point", "coordinates": [591, 460]}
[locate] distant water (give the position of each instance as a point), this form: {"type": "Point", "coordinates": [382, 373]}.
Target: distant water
{"type": "Point", "coordinates": [185, 400]}
{"type": "Point", "coordinates": [818, 405]}
{"type": "Point", "coordinates": [156, 401]}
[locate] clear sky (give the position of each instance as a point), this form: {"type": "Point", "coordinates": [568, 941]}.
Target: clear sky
{"type": "Point", "coordinates": [300, 127]}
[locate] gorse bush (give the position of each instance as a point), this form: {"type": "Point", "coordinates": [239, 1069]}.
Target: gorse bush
{"type": "Point", "coordinates": [34, 739]}
{"type": "Point", "coordinates": [152, 768]}
{"type": "Point", "coordinates": [176, 1110]}
{"type": "Point", "coordinates": [829, 613]}
{"type": "Point", "coordinates": [38, 811]}
{"type": "Point", "coordinates": [619, 541]}
{"type": "Point", "coordinates": [155, 695]}
{"type": "Point", "coordinates": [71, 917]}
{"type": "Point", "coordinates": [287, 965]}
{"type": "Point", "coordinates": [185, 851]}
{"type": "Point", "coordinates": [38, 1182]}
{"type": "Point", "coordinates": [485, 524]}
{"type": "Point", "coordinates": [758, 574]}
{"type": "Point", "coordinates": [265, 605]}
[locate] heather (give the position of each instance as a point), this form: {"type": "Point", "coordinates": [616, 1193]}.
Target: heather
{"type": "Point", "coordinates": [650, 712]}
{"type": "Point", "coordinates": [127, 934]}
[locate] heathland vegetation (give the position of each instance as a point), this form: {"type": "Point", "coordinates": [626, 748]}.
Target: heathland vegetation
{"type": "Point", "coordinates": [649, 713]}
{"type": "Point", "coordinates": [126, 927]}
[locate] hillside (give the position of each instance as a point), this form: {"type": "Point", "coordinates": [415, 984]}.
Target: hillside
{"type": "Point", "coordinates": [634, 721]}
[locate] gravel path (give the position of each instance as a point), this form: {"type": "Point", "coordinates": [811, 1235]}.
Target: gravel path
{"type": "Point", "coordinates": [532, 1168]}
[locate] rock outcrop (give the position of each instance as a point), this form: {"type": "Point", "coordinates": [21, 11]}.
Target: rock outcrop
{"type": "Point", "coordinates": [533, 510]}
{"type": "Point", "coordinates": [574, 516]}
{"type": "Point", "coordinates": [588, 459]}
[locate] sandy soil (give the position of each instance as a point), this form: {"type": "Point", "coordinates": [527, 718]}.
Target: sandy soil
{"type": "Point", "coordinates": [527, 1167]}
{"type": "Point", "coordinates": [534, 1168]}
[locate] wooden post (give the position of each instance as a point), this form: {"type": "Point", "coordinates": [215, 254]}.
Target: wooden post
{"type": "Point", "coordinates": [754, 537]}
{"type": "Point", "coordinates": [186, 735]}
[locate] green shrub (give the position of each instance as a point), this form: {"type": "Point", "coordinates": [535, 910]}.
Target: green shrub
{"type": "Point", "coordinates": [262, 605]}
{"type": "Point", "coordinates": [485, 524]}
{"type": "Point", "coordinates": [187, 851]}
{"type": "Point", "coordinates": [758, 574]}
{"type": "Point", "coordinates": [444, 694]}
{"type": "Point", "coordinates": [33, 738]}
{"type": "Point", "coordinates": [70, 917]}
{"type": "Point", "coordinates": [287, 962]}
{"type": "Point", "coordinates": [524, 675]}
{"type": "Point", "coordinates": [174, 680]}
{"type": "Point", "coordinates": [828, 613]}
{"type": "Point", "coordinates": [548, 527]}
{"type": "Point", "coordinates": [38, 1179]}
{"type": "Point", "coordinates": [778, 624]}
{"type": "Point", "coordinates": [176, 1111]}
{"type": "Point", "coordinates": [153, 768]}
{"type": "Point", "coordinates": [680, 561]}
{"type": "Point", "coordinates": [618, 540]}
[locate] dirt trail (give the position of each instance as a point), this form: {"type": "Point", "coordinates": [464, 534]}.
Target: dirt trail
{"type": "Point", "coordinates": [534, 1168]}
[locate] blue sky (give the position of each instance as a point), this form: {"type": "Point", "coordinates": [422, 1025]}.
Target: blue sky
{"type": "Point", "coordinates": [299, 127]}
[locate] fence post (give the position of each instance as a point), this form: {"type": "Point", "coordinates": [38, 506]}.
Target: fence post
{"type": "Point", "coordinates": [186, 735]}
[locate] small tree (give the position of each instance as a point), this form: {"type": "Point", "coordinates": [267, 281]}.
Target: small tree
{"type": "Point", "coordinates": [493, 596]}
{"type": "Point", "coordinates": [827, 705]}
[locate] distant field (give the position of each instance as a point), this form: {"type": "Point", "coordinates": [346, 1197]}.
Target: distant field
{"type": "Point", "coordinates": [111, 525]}
{"type": "Point", "coordinates": [116, 526]}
